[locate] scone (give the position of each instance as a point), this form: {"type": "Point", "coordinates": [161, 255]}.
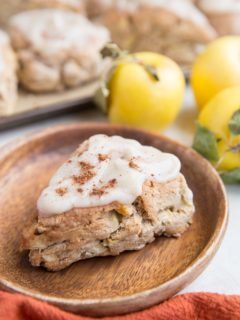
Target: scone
{"type": "Point", "coordinates": [112, 195]}
{"type": "Point", "coordinates": [8, 79]}
{"type": "Point", "coordinates": [95, 8]}
{"type": "Point", "coordinates": [12, 7]}
{"type": "Point", "coordinates": [224, 15]}
{"type": "Point", "coordinates": [72, 5]}
{"type": "Point", "coordinates": [171, 27]}
{"type": "Point", "coordinates": [56, 49]}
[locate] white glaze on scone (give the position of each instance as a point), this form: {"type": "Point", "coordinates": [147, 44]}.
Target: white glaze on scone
{"type": "Point", "coordinates": [56, 49]}
{"type": "Point", "coordinates": [53, 31]}
{"type": "Point", "coordinates": [103, 170]}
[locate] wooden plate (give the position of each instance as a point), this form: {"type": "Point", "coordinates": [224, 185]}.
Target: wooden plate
{"type": "Point", "coordinates": [110, 285]}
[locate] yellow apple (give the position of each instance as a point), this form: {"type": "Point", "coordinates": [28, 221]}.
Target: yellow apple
{"type": "Point", "coordinates": [216, 117]}
{"type": "Point", "coordinates": [138, 99]}
{"type": "Point", "coordinates": [216, 68]}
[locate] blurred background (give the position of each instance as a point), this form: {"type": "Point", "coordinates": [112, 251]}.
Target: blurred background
{"type": "Point", "coordinates": [37, 81]}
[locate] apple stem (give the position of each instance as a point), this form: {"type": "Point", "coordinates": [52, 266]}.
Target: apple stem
{"type": "Point", "coordinates": [112, 50]}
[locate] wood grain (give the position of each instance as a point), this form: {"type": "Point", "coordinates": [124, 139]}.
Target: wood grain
{"type": "Point", "coordinates": [109, 285]}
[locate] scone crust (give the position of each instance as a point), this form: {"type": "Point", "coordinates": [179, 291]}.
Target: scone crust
{"type": "Point", "coordinates": [159, 27]}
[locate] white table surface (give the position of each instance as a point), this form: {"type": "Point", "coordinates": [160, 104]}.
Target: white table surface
{"type": "Point", "coordinates": [223, 273]}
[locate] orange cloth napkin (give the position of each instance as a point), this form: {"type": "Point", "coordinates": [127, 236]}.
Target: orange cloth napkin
{"type": "Point", "coordinates": [194, 306]}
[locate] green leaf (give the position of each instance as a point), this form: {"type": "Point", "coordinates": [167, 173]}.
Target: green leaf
{"type": "Point", "coordinates": [102, 93]}
{"type": "Point", "coordinates": [113, 51]}
{"type": "Point", "coordinates": [232, 176]}
{"type": "Point", "coordinates": [205, 143]}
{"type": "Point", "coordinates": [101, 98]}
{"type": "Point", "coordinates": [234, 123]}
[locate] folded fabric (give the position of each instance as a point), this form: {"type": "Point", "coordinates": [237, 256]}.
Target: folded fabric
{"type": "Point", "coordinates": [183, 307]}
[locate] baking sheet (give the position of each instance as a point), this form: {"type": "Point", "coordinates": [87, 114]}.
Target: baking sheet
{"type": "Point", "coordinates": [31, 107]}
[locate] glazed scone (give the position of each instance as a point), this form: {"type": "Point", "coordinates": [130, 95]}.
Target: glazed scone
{"type": "Point", "coordinates": [8, 79]}
{"type": "Point", "coordinates": [224, 15]}
{"type": "Point", "coordinates": [56, 49]}
{"type": "Point", "coordinates": [112, 195]}
{"type": "Point", "coordinates": [171, 27]}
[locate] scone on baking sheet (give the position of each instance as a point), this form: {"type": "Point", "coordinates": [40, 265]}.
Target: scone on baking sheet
{"type": "Point", "coordinates": [56, 49]}
{"type": "Point", "coordinates": [224, 15]}
{"type": "Point", "coordinates": [112, 195]}
{"type": "Point", "coordinates": [8, 79]}
{"type": "Point", "coordinates": [172, 27]}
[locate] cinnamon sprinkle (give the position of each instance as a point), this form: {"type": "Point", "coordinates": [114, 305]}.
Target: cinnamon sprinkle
{"type": "Point", "coordinates": [87, 173]}
{"type": "Point", "coordinates": [85, 165]}
{"type": "Point", "coordinates": [111, 183]}
{"type": "Point", "coordinates": [80, 190]}
{"type": "Point", "coordinates": [102, 157]}
{"type": "Point", "coordinates": [97, 192]}
{"type": "Point", "coordinates": [133, 165]}
{"type": "Point", "coordinates": [104, 189]}
{"type": "Point", "coordinates": [83, 178]}
{"type": "Point", "coordinates": [61, 191]}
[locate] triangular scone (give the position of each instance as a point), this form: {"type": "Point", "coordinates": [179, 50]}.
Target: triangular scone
{"type": "Point", "coordinates": [172, 27]}
{"type": "Point", "coordinates": [8, 77]}
{"type": "Point", "coordinates": [121, 209]}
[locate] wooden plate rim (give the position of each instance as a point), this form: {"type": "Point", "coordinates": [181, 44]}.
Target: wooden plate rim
{"type": "Point", "coordinates": [200, 262]}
